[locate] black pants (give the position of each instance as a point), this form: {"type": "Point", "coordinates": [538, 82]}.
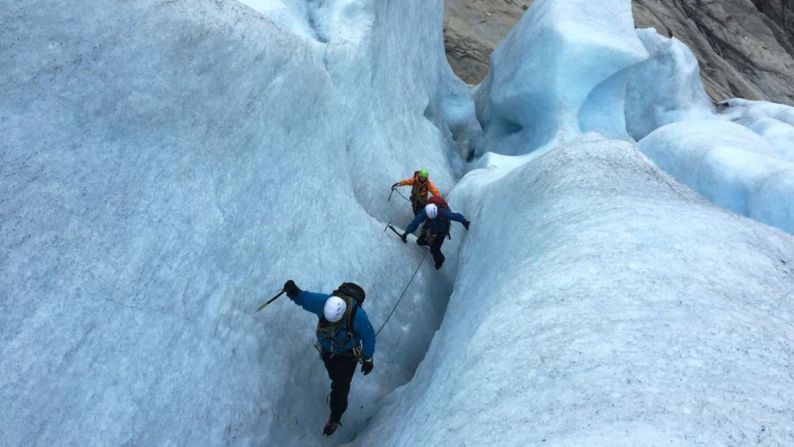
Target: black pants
{"type": "Point", "coordinates": [435, 240]}
{"type": "Point", "coordinates": [417, 205]}
{"type": "Point", "coordinates": [340, 370]}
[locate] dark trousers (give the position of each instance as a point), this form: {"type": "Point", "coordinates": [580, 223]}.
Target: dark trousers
{"type": "Point", "coordinates": [417, 205]}
{"type": "Point", "coordinates": [340, 370]}
{"type": "Point", "coordinates": [435, 240]}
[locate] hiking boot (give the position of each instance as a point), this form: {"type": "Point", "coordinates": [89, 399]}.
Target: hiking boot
{"type": "Point", "coordinates": [330, 427]}
{"type": "Point", "coordinates": [439, 264]}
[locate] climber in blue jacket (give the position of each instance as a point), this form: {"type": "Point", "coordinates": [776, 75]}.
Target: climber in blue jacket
{"type": "Point", "coordinates": [344, 335]}
{"type": "Point", "coordinates": [438, 216]}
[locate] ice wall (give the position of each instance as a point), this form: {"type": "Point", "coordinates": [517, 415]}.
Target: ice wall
{"type": "Point", "coordinates": [730, 165]}
{"type": "Point", "coordinates": [560, 72]}
{"type": "Point", "coordinates": [617, 308]}
{"type": "Point", "coordinates": [165, 167]}
{"type": "Point", "coordinates": [665, 88]}
{"type": "Point", "coordinates": [406, 108]}
{"type": "Point", "coordinates": [774, 122]}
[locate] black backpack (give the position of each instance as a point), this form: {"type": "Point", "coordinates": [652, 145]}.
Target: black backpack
{"type": "Point", "coordinates": [351, 290]}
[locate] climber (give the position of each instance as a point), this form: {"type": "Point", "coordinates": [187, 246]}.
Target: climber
{"type": "Point", "coordinates": [420, 185]}
{"type": "Point", "coordinates": [344, 335]}
{"type": "Point", "coordinates": [438, 216]}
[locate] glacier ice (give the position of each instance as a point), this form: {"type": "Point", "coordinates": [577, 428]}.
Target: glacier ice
{"type": "Point", "coordinates": [774, 122]}
{"type": "Point", "coordinates": [730, 165]}
{"type": "Point", "coordinates": [561, 71]}
{"type": "Point", "coordinates": [619, 309]}
{"type": "Point", "coordinates": [165, 166]}
{"type": "Point", "coordinates": [665, 88]}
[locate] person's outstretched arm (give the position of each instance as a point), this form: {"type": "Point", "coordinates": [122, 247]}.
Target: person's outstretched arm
{"type": "Point", "coordinates": [457, 217]}
{"type": "Point", "coordinates": [312, 302]}
{"type": "Point", "coordinates": [406, 182]}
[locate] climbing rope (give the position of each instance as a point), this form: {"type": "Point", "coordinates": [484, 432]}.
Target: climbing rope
{"type": "Point", "coordinates": [402, 294]}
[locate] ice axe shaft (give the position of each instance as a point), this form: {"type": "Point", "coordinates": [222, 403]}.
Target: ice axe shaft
{"type": "Point", "coordinates": [262, 306]}
{"type": "Point", "coordinates": [391, 227]}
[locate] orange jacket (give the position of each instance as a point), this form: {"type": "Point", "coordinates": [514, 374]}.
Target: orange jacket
{"type": "Point", "coordinates": [420, 189]}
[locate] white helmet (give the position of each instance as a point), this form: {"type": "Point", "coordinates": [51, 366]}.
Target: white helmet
{"type": "Point", "coordinates": [431, 210]}
{"type": "Point", "coordinates": [334, 309]}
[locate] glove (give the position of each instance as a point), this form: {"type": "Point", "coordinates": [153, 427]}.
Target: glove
{"type": "Point", "coordinates": [292, 289]}
{"type": "Point", "coordinates": [404, 237]}
{"type": "Point", "coordinates": [367, 366]}
{"type": "Point", "coordinates": [466, 224]}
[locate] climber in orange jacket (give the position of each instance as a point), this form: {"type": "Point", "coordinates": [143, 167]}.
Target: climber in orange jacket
{"type": "Point", "coordinates": [421, 184]}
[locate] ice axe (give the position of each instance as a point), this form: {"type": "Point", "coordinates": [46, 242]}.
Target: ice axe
{"type": "Point", "coordinates": [389, 226]}
{"type": "Point", "coordinates": [262, 306]}
{"type": "Point", "coordinates": [393, 188]}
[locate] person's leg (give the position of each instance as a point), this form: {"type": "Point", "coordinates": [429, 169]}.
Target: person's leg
{"type": "Point", "coordinates": [343, 370]}
{"type": "Point", "coordinates": [424, 233]}
{"type": "Point", "coordinates": [435, 250]}
{"type": "Point", "coordinates": [327, 361]}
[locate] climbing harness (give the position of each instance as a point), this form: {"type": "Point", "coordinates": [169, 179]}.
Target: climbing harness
{"type": "Point", "coordinates": [404, 290]}
{"type": "Point", "coordinates": [270, 301]}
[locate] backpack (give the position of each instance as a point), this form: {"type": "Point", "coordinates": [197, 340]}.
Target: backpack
{"type": "Point", "coordinates": [419, 190]}
{"type": "Point", "coordinates": [354, 297]}
{"type": "Point", "coordinates": [439, 202]}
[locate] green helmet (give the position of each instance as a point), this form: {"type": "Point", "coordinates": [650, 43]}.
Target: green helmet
{"type": "Point", "coordinates": [423, 173]}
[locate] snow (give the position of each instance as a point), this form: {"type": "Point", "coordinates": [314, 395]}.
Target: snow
{"type": "Point", "coordinates": [166, 166]}
{"type": "Point", "coordinates": [730, 165]}
{"type": "Point", "coordinates": [616, 308]}
{"type": "Point", "coordinates": [561, 71]}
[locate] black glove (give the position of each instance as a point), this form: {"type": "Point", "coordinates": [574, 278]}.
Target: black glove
{"type": "Point", "coordinates": [292, 289]}
{"type": "Point", "coordinates": [404, 237]}
{"type": "Point", "coordinates": [466, 224]}
{"type": "Point", "coordinates": [367, 366]}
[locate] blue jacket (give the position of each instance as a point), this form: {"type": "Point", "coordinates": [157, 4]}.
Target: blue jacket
{"type": "Point", "coordinates": [362, 329]}
{"type": "Point", "coordinates": [438, 225]}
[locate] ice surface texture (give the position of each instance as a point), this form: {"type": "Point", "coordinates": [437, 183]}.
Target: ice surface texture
{"type": "Point", "coordinates": [560, 72]}
{"type": "Point", "coordinates": [665, 88]}
{"type": "Point", "coordinates": [165, 166]}
{"type": "Point", "coordinates": [619, 308]}
{"type": "Point", "coordinates": [730, 165]}
{"type": "Point", "coordinates": [774, 122]}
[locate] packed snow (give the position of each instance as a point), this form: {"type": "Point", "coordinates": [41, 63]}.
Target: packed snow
{"type": "Point", "coordinates": [166, 166]}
